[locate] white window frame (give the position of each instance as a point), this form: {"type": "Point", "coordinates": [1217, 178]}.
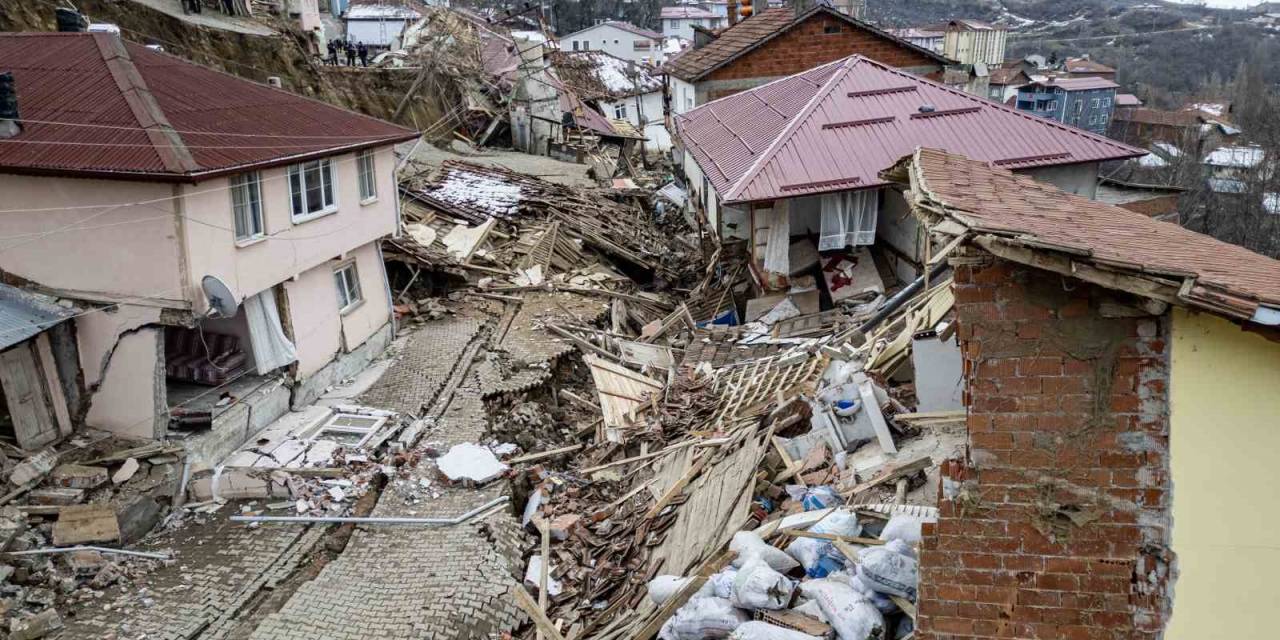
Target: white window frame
{"type": "Point", "coordinates": [246, 192]}
{"type": "Point", "coordinates": [325, 172]}
{"type": "Point", "coordinates": [346, 279]}
{"type": "Point", "coordinates": [620, 111]}
{"type": "Point", "coordinates": [366, 176]}
{"type": "Point", "coordinates": [330, 425]}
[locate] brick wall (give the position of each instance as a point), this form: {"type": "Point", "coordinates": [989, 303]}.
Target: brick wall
{"type": "Point", "coordinates": [1057, 524]}
{"type": "Point", "coordinates": [808, 45]}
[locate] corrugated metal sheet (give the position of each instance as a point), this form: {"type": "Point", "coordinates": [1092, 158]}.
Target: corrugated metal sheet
{"type": "Point", "coordinates": [1226, 275]}
{"type": "Point", "coordinates": [64, 78]}
{"type": "Point", "coordinates": [23, 315]}
{"type": "Point", "coordinates": [835, 127]}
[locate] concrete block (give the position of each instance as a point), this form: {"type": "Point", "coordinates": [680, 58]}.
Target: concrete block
{"type": "Point", "coordinates": [33, 468]}
{"type": "Point", "coordinates": [57, 496]}
{"type": "Point", "coordinates": [85, 562]}
{"type": "Point", "coordinates": [83, 524]}
{"type": "Point", "coordinates": [137, 518]}
{"type": "Point", "coordinates": [36, 626]}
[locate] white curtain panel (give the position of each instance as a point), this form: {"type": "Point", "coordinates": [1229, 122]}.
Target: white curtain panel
{"type": "Point", "coordinates": [848, 219]}
{"type": "Point", "coordinates": [271, 347]}
{"type": "Point", "coordinates": [777, 253]}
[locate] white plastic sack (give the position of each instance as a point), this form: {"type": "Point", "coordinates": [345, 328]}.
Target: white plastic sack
{"type": "Point", "coordinates": [759, 587]}
{"type": "Point", "coordinates": [722, 583]}
{"type": "Point", "coordinates": [662, 588]}
{"type": "Point", "coordinates": [765, 631]}
{"type": "Point", "coordinates": [880, 600]}
{"type": "Point", "coordinates": [847, 611]}
{"type": "Point", "coordinates": [747, 544]}
{"type": "Point", "coordinates": [809, 551]}
{"type": "Point", "coordinates": [810, 608]}
{"type": "Point", "coordinates": [888, 572]}
{"type": "Point", "coordinates": [703, 618]}
{"type": "Point", "coordinates": [903, 527]}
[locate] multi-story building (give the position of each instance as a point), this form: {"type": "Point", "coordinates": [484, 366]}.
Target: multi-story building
{"type": "Point", "coordinates": [1086, 103]}
{"type": "Point", "coordinates": [679, 21]}
{"type": "Point", "coordinates": [618, 39]}
{"type": "Point", "coordinates": [974, 42]}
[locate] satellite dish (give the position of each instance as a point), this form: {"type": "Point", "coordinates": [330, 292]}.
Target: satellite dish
{"type": "Point", "coordinates": [222, 303]}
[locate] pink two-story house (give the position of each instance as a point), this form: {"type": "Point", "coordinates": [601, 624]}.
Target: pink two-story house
{"type": "Point", "coordinates": [128, 177]}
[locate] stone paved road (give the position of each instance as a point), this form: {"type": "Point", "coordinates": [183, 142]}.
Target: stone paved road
{"type": "Point", "coordinates": [417, 583]}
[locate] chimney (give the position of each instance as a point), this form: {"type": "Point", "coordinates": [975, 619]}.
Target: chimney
{"type": "Point", "coordinates": [9, 126]}
{"type": "Point", "coordinates": [69, 20]}
{"type": "Point", "coordinates": [733, 12]}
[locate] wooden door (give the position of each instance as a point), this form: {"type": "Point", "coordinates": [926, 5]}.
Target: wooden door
{"type": "Point", "coordinates": [28, 397]}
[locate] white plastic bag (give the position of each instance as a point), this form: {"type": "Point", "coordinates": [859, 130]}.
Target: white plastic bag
{"type": "Point", "coordinates": [759, 587]}
{"type": "Point", "coordinates": [888, 572]}
{"type": "Point", "coordinates": [703, 618]}
{"type": "Point", "coordinates": [904, 527]}
{"type": "Point", "coordinates": [765, 631]}
{"type": "Point", "coordinates": [662, 588]}
{"type": "Point", "coordinates": [880, 600]}
{"type": "Point", "coordinates": [722, 583]}
{"type": "Point", "coordinates": [810, 551]}
{"type": "Point", "coordinates": [810, 608]}
{"type": "Point", "coordinates": [847, 611]}
{"type": "Point", "coordinates": [747, 544]}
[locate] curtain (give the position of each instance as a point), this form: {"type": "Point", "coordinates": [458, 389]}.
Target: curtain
{"type": "Point", "coordinates": [777, 251]}
{"type": "Point", "coordinates": [848, 219]}
{"type": "Point", "coordinates": [271, 348]}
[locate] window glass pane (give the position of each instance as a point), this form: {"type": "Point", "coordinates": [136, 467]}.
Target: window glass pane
{"type": "Point", "coordinates": [254, 185]}
{"type": "Point", "coordinates": [311, 176]}
{"type": "Point", "coordinates": [239, 207]}
{"type": "Point", "coordinates": [326, 181]}
{"type": "Point", "coordinates": [295, 186]}
{"type": "Point", "coordinates": [343, 301]}
{"type": "Point", "coordinates": [353, 284]}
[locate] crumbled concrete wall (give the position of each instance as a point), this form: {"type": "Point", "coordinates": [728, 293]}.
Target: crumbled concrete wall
{"type": "Point", "coordinates": [1058, 523]}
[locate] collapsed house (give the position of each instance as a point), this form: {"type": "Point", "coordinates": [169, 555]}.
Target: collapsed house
{"type": "Point", "coordinates": [620, 89]}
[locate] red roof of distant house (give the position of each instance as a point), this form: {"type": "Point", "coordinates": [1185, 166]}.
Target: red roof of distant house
{"type": "Point", "coordinates": [92, 104]}
{"type": "Point", "coordinates": [1078, 84]}
{"type": "Point", "coordinates": [1085, 65]}
{"type": "Point", "coordinates": [758, 29]}
{"type": "Point", "coordinates": [835, 127]}
{"type": "Point", "coordinates": [1227, 278]}
{"type": "Point", "coordinates": [1003, 76]}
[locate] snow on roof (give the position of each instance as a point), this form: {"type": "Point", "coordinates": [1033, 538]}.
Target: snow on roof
{"type": "Point", "coordinates": [497, 197]}
{"type": "Point", "coordinates": [1271, 202]}
{"type": "Point", "coordinates": [1211, 108]}
{"type": "Point", "coordinates": [669, 13]}
{"type": "Point", "coordinates": [381, 12]}
{"type": "Point", "coordinates": [1152, 161]}
{"type": "Point", "coordinates": [1170, 150]}
{"type": "Point", "coordinates": [1240, 157]}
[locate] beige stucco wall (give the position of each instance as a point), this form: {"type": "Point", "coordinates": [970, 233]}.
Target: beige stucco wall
{"type": "Point", "coordinates": [319, 332]}
{"type": "Point", "coordinates": [84, 241]}
{"type": "Point", "coordinates": [288, 249]}
{"type": "Point", "coordinates": [1224, 437]}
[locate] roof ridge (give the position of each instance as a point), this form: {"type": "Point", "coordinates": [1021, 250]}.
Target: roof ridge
{"type": "Point", "coordinates": [165, 141]}
{"type": "Point", "coordinates": [795, 123]}
{"type": "Point", "coordinates": [1007, 108]}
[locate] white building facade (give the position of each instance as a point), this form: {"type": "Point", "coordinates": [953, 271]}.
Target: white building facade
{"type": "Point", "coordinates": [618, 39]}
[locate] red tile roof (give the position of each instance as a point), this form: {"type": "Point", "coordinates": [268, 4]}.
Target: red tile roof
{"type": "Point", "coordinates": [835, 127]}
{"type": "Point", "coordinates": [125, 111]}
{"type": "Point", "coordinates": [1002, 76]}
{"type": "Point", "coordinates": [1084, 65]}
{"type": "Point", "coordinates": [1079, 84]}
{"type": "Point", "coordinates": [754, 31]}
{"type": "Point", "coordinates": [1229, 279]}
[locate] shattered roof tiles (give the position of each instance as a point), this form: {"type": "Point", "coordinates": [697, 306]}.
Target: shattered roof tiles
{"type": "Point", "coordinates": [1028, 211]}
{"type": "Point", "coordinates": [597, 74]}
{"type": "Point", "coordinates": [835, 127]}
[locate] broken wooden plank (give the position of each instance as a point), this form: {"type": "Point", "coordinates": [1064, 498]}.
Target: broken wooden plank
{"type": "Point", "coordinates": [906, 605]}
{"type": "Point", "coordinates": [540, 620]}
{"type": "Point", "coordinates": [872, 407]}
{"type": "Point", "coordinates": [893, 473]}
{"type": "Point", "coordinates": [678, 488]}
{"type": "Point", "coordinates": [542, 455]}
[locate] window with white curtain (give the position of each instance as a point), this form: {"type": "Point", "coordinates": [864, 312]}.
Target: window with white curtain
{"type": "Point", "coordinates": [246, 206]}
{"type": "Point", "coordinates": [366, 178]}
{"type": "Point", "coordinates": [848, 219]}
{"type": "Point", "coordinates": [311, 190]}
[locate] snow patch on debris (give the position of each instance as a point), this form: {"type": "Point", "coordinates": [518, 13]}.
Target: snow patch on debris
{"type": "Point", "coordinates": [501, 198]}
{"type": "Point", "coordinates": [473, 462]}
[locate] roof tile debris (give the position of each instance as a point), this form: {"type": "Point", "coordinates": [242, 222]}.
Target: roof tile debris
{"type": "Point", "coordinates": [860, 116]}
{"type": "Point", "coordinates": [1204, 272]}
{"type": "Point", "coordinates": [78, 117]}
{"type": "Point", "coordinates": [594, 75]}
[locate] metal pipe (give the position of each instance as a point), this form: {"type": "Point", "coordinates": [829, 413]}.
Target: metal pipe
{"type": "Point", "coordinates": [372, 520]}
{"type": "Point", "coordinates": [123, 552]}
{"type": "Point", "coordinates": [900, 298]}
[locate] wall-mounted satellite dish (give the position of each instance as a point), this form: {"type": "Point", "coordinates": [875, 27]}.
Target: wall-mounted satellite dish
{"type": "Point", "coordinates": [222, 303]}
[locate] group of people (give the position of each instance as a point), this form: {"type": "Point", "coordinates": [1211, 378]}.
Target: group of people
{"type": "Point", "coordinates": [352, 50]}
